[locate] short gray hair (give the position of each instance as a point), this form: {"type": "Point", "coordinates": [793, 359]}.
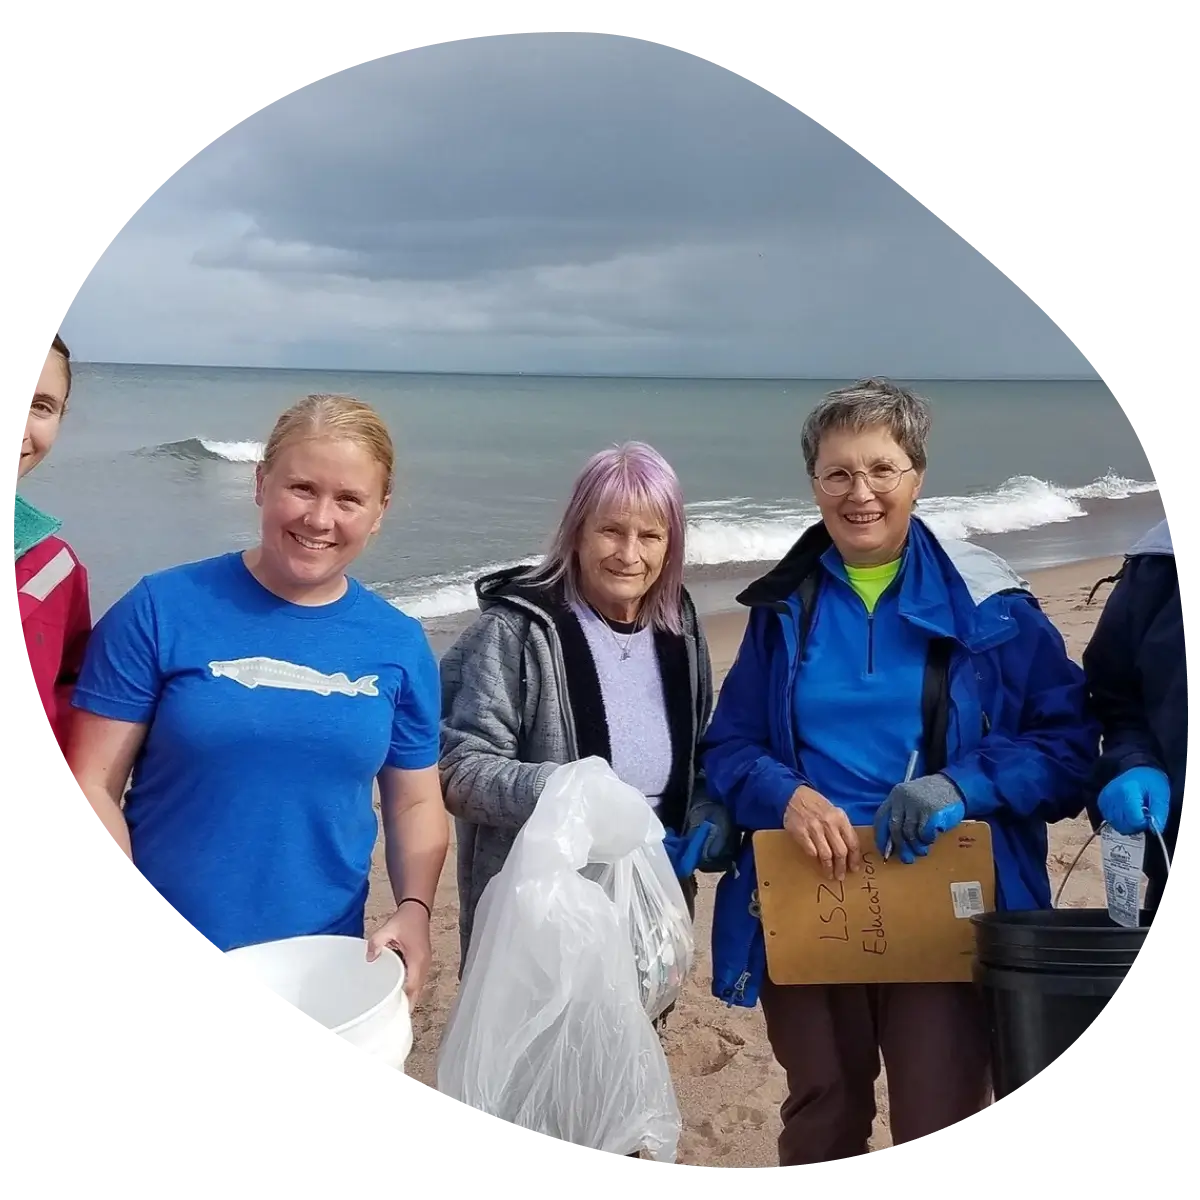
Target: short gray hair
{"type": "Point", "coordinates": [868, 404]}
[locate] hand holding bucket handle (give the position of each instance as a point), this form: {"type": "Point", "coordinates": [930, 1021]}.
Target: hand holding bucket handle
{"type": "Point", "coordinates": [406, 932]}
{"type": "Point", "coordinates": [1136, 801]}
{"type": "Point", "coordinates": [1095, 834]}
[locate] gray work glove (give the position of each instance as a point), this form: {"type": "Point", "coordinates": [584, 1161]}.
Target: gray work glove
{"type": "Point", "coordinates": [915, 813]}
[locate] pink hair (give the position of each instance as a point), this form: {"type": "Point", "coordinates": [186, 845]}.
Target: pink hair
{"type": "Point", "coordinates": [629, 477]}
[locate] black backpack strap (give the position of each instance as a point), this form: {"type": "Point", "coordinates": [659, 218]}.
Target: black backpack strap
{"type": "Point", "coordinates": [806, 593]}
{"type": "Point", "coordinates": [935, 703]}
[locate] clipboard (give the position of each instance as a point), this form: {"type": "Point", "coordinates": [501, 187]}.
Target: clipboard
{"type": "Point", "coordinates": [891, 922]}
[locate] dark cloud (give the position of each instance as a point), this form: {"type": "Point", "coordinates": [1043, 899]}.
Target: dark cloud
{"type": "Point", "coordinates": [530, 152]}
{"type": "Point", "coordinates": [605, 203]}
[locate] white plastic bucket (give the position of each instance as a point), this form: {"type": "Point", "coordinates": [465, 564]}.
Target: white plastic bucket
{"type": "Point", "coordinates": [329, 979]}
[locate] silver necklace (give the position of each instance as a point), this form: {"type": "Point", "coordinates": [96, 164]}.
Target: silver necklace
{"type": "Point", "coordinates": [626, 649]}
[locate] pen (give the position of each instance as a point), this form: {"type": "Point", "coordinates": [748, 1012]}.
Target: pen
{"type": "Point", "coordinates": [912, 770]}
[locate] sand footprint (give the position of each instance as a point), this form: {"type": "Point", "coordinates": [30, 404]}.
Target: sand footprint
{"type": "Point", "coordinates": [707, 1143]}
{"type": "Point", "coordinates": [706, 1051]}
{"type": "Point", "coordinates": [736, 1117]}
{"type": "Point", "coordinates": [771, 1093]}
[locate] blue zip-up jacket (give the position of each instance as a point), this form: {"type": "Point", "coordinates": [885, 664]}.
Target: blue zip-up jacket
{"type": "Point", "coordinates": [1136, 666]}
{"type": "Point", "coordinates": [1020, 743]}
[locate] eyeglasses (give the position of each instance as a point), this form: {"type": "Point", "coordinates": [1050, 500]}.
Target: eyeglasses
{"type": "Point", "coordinates": [881, 479]}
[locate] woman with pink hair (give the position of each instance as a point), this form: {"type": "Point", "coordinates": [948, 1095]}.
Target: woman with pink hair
{"type": "Point", "coordinates": [596, 651]}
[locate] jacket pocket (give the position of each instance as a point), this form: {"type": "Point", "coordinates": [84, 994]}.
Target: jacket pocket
{"type": "Point", "coordinates": [739, 950]}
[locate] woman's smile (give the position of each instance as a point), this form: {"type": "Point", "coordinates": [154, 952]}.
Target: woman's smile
{"type": "Point", "coordinates": [310, 543]}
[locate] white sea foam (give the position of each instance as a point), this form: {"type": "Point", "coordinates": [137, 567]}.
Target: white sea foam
{"type": "Point", "coordinates": [740, 530]}
{"type": "Point", "coordinates": [197, 449]}
{"type": "Point", "coordinates": [238, 452]}
{"type": "Point", "coordinates": [443, 595]}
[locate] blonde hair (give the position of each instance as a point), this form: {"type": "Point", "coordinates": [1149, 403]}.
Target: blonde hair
{"type": "Point", "coordinates": [331, 416]}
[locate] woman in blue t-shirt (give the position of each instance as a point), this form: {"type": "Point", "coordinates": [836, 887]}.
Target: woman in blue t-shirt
{"type": "Point", "coordinates": [258, 695]}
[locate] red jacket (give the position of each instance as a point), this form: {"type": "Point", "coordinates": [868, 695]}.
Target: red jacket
{"type": "Point", "coordinates": [52, 588]}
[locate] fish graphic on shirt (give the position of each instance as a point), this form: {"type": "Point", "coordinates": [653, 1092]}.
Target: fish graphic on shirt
{"type": "Point", "coordinates": [275, 673]}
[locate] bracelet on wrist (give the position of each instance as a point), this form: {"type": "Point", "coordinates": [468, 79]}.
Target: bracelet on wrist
{"type": "Point", "coordinates": [416, 900]}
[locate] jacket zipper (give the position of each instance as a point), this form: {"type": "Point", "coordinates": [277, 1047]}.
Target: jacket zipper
{"type": "Point", "coordinates": [790, 693]}
{"type": "Point", "coordinates": [739, 988]}
{"type": "Point", "coordinates": [560, 671]}
{"type": "Point", "coordinates": [736, 993]}
{"type": "Point", "coordinates": [697, 732]}
{"type": "Point", "coordinates": [871, 626]}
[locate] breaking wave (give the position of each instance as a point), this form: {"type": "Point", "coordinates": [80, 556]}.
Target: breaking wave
{"type": "Point", "coordinates": [201, 449]}
{"type": "Point", "coordinates": [740, 530]}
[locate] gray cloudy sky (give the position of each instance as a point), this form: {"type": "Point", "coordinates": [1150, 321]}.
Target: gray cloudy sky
{"type": "Point", "coordinates": [569, 203]}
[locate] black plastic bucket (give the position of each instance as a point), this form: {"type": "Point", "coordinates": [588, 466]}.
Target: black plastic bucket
{"type": "Point", "coordinates": [1046, 976]}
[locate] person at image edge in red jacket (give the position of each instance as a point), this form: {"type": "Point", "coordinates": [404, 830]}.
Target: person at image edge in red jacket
{"type": "Point", "coordinates": [52, 584]}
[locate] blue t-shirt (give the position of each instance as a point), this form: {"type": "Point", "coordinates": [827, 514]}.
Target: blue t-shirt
{"type": "Point", "coordinates": [251, 808]}
{"type": "Point", "coordinates": [857, 699]}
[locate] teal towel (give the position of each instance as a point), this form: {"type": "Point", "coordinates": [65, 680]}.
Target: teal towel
{"type": "Point", "coordinates": [32, 527]}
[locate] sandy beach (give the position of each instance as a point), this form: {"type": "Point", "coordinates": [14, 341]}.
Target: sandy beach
{"type": "Point", "coordinates": [728, 1084]}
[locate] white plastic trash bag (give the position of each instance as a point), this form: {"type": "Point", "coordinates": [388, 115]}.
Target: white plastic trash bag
{"type": "Point", "coordinates": [647, 895]}
{"type": "Point", "coordinates": [549, 1029]}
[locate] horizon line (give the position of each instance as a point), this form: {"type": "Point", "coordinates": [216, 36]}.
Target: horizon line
{"type": "Point", "coordinates": [545, 374]}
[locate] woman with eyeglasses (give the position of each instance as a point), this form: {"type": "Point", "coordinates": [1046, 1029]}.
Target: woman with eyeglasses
{"type": "Point", "coordinates": [894, 680]}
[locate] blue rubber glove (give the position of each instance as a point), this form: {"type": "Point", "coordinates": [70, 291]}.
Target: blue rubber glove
{"type": "Point", "coordinates": [916, 813]}
{"type": "Point", "coordinates": [1136, 800]}
{"type": "Point", "coordinates": [685, 852]}
{"type": "Point", "coordinates": [721, 843]}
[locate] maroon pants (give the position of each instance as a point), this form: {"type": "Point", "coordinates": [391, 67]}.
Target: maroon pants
{"type": "Point", "coordinates": [933, 1038]}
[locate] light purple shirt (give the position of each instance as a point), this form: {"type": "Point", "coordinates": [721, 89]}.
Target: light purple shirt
{"type": "Point", "coordinates": [634, 704]}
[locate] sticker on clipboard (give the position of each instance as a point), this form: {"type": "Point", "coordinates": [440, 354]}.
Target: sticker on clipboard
{"type": "Point", "coordinates": [968, 899]}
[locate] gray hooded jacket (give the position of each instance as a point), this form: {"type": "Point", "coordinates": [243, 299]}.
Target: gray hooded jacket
{"type": "Point", "coordinates": [517, 701]}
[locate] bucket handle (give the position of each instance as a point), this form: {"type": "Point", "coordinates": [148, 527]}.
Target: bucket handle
{"type": "Point", "coordinates": [1095, 833]}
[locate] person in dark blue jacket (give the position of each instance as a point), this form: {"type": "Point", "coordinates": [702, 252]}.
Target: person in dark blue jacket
{"type": "Point", "coordinates": [871, 640]}
{"type": "Point", "coordinates": [1136, 668]}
